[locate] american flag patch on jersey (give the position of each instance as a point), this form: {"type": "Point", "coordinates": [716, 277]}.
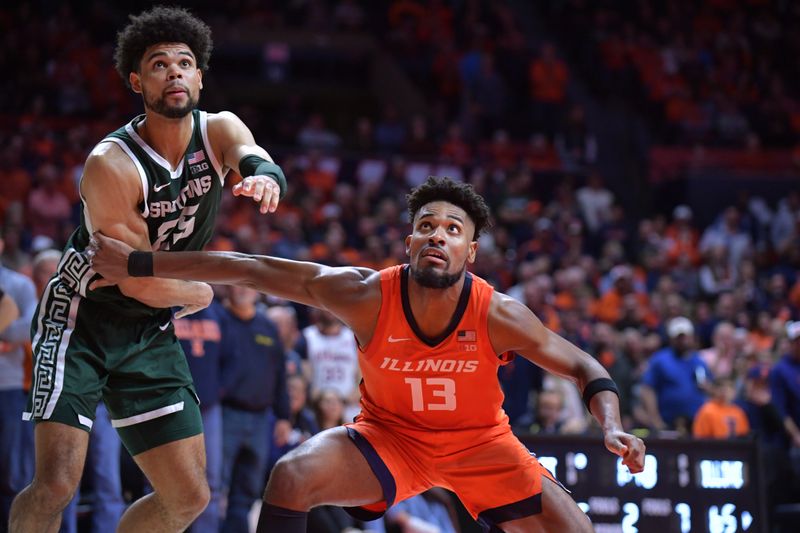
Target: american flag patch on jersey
{"type": "Point", "coordinates": [196, 157]}
{"type": "Point", "coordinates": [466, 335]}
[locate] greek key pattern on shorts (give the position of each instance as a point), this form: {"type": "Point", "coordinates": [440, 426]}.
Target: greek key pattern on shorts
{"type": "Point", "coordinates": [52, 328]}
{"type": "Point", "coordinates": [75, 271]}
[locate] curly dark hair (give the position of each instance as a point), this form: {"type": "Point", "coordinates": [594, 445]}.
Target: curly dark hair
{"type": "Point", "coordinates": [161, 25]}
{"type": "Point", "coordinates": [443, 189]}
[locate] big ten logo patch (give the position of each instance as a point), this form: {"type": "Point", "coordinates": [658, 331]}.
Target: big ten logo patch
{"type": "Point", "coordinates": [196, 332]}
{"type": "Point", "coordinates": [467, 339]}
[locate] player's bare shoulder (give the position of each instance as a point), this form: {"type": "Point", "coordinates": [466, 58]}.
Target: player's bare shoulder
{"type": "Point", "coordinates": [354, 295]}
{"type": "Point", "coordinates": [222, 120]}
{"type": "Point", "coordinates": [224, 127]}
{"type": "Point", "coordinates": [504, 308]}
{"type": "Point", "coordinates": [512, 325]}
{"type": "Point", "coordinates": [231, 139]}
{"type": "Point", "coordinates": [108, 167]}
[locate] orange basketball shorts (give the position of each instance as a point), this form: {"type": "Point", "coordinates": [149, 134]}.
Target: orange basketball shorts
{"type": "Point", "coordinates": [493, 474]}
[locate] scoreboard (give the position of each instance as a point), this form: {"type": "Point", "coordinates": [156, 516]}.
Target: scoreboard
{"type": "Point", "coordinates": [701, 486]}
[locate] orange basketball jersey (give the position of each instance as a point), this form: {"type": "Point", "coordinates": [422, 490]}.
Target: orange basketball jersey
{"type": "Point", "coordinates": [446, 383]}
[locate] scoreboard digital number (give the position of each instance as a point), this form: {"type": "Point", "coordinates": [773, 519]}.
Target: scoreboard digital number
{"type": "Point", "coordinates": [687, 485]}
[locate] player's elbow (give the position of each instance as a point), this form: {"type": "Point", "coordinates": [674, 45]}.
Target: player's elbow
{"type": "Point", "coordinates": [258, 273]}
{"type": "Point", "coordinates": [588, 369]}
{"type": "Point", "coordinates": [324, 284]}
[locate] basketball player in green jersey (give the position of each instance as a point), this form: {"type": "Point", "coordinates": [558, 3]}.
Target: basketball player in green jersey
{"type": "Point", "coordinates": [156, 185]}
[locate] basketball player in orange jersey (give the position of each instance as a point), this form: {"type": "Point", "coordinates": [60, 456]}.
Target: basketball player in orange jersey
{"type": "Point", "coordinates": [431, 337]}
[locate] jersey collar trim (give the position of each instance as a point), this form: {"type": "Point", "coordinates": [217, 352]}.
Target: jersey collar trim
{"type": "Point", "coordinates": [155, 156]}
{"type": "Point", "coordinates": [461, 307]}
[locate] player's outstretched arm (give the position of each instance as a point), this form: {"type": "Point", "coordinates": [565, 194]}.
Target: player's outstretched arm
{"type": "Point", "coordinates": [111, 190]}
{"type": "Point", "coordinates": [352, 294]}
{"type": "Point", "coordinates": [514, 327]}
{"type": "Point", "coordinates": [263, 180]}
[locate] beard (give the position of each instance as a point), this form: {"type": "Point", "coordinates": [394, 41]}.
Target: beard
{"type": "Point", "coordinates": [159, 105]}
{"type": "Point", "coordinates": [431, 279]}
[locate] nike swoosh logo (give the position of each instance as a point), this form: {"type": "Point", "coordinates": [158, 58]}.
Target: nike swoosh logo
{"type": "Point", "coordinates": [165, 326]}
{"type": "Point", "coordinates": [392, 339]}
{"type": "Point", "coordinates": [157, 188]}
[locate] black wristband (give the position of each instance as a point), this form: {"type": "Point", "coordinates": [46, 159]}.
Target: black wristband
{"type": "Point", "coordinates": [598, 385]}
{"type": "Point", "coordinates": [2, 293]}
{"type": "Point", "coordinates": [140, 264]}
{"type": "Point", "coordinates": [254, 165]}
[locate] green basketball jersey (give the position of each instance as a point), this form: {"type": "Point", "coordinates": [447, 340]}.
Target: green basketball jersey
{"type": "Point", "coordinates": [180, 207]}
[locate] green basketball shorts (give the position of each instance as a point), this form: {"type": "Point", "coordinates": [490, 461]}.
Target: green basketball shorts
{"type": "Point", "coordinates": [84, 351]}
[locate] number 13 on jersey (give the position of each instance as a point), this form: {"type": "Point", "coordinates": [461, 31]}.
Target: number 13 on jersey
{"type": "Point", "coordinates": [444, 388]}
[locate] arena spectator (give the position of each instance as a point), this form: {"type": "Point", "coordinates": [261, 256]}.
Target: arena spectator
{"type": "Point", "coordinates": [717, 274]}
{"type": "Point", "coordinates": [256, 385]}
{"type": "Point", "coordinates": [720, 357]}
{"type": "Point", "coordinates": [330, 349]}
{"type": "Point", "coordinates": [200, 335]}
{"type": "Point", "coordinates": [676, 379]}
{"type": "Point", "coordinates": [785, 386]}
{"type": "Point", "coordinates": [303, 419]}
{"type": "Point", "coordinates": [9, 311]}
{"type": "Point", "coordinates": [573, 417]}
{"type": "Point", "coordinates": [726, 232]}
{"type": "Point", "coordinates": [519, 379]}
{"type": "Point", "coordinates": [720, 418]}
{"type": "Point", "coordinates": [329, 408]}
{"type": "Point", "coordinates": [595, 201]}
{"type": "Point", "coordinates": [681, 237]}
{"type": "Point", "coordinates": [301, 416]}
{"type": "Point", "coordinates": [762, 416]}
{"type": "Point", "coordinates": [16, 436]}
{"type": "Point", "coordinates": [285, 318]}
{"type": "Point", "coordinates": [784, 225]}
{"type": "Point", "coordinates": [607, 348]}
{"type": "Point", "coordinates": [548, 420]}
{"type": "Point", "coordinates": [610, 306]}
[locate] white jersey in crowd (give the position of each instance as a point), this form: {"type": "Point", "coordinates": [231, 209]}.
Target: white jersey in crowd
{"type": "Point", "coordinates": [334, 360]}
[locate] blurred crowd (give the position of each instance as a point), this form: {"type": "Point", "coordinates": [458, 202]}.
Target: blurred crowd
{"type": "Point", "coordinates": [714, 72]}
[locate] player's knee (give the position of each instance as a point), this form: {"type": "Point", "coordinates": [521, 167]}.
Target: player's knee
{"type": "Point", "coordinates": [197, 498]}
{"type": "Point", "coordinates": [290, 479]}
{"type": "Point", "coordinates": [190, 501]}
{"type": "Point", "coordinates": [55, 491]}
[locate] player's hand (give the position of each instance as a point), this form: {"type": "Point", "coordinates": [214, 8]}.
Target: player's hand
{"type": "Point", "coordinates": [630, 447]}
{"type": "Point", "coordinates": [187, 310]}
{"type": "Point", "coordinates": [282, 430]}
{"type": "Point", "coordinates": [203, 296]}
{"type": "Point", "coordinates": [108, 257]}
{"type": "Point", "coordinates": [262, 189]}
